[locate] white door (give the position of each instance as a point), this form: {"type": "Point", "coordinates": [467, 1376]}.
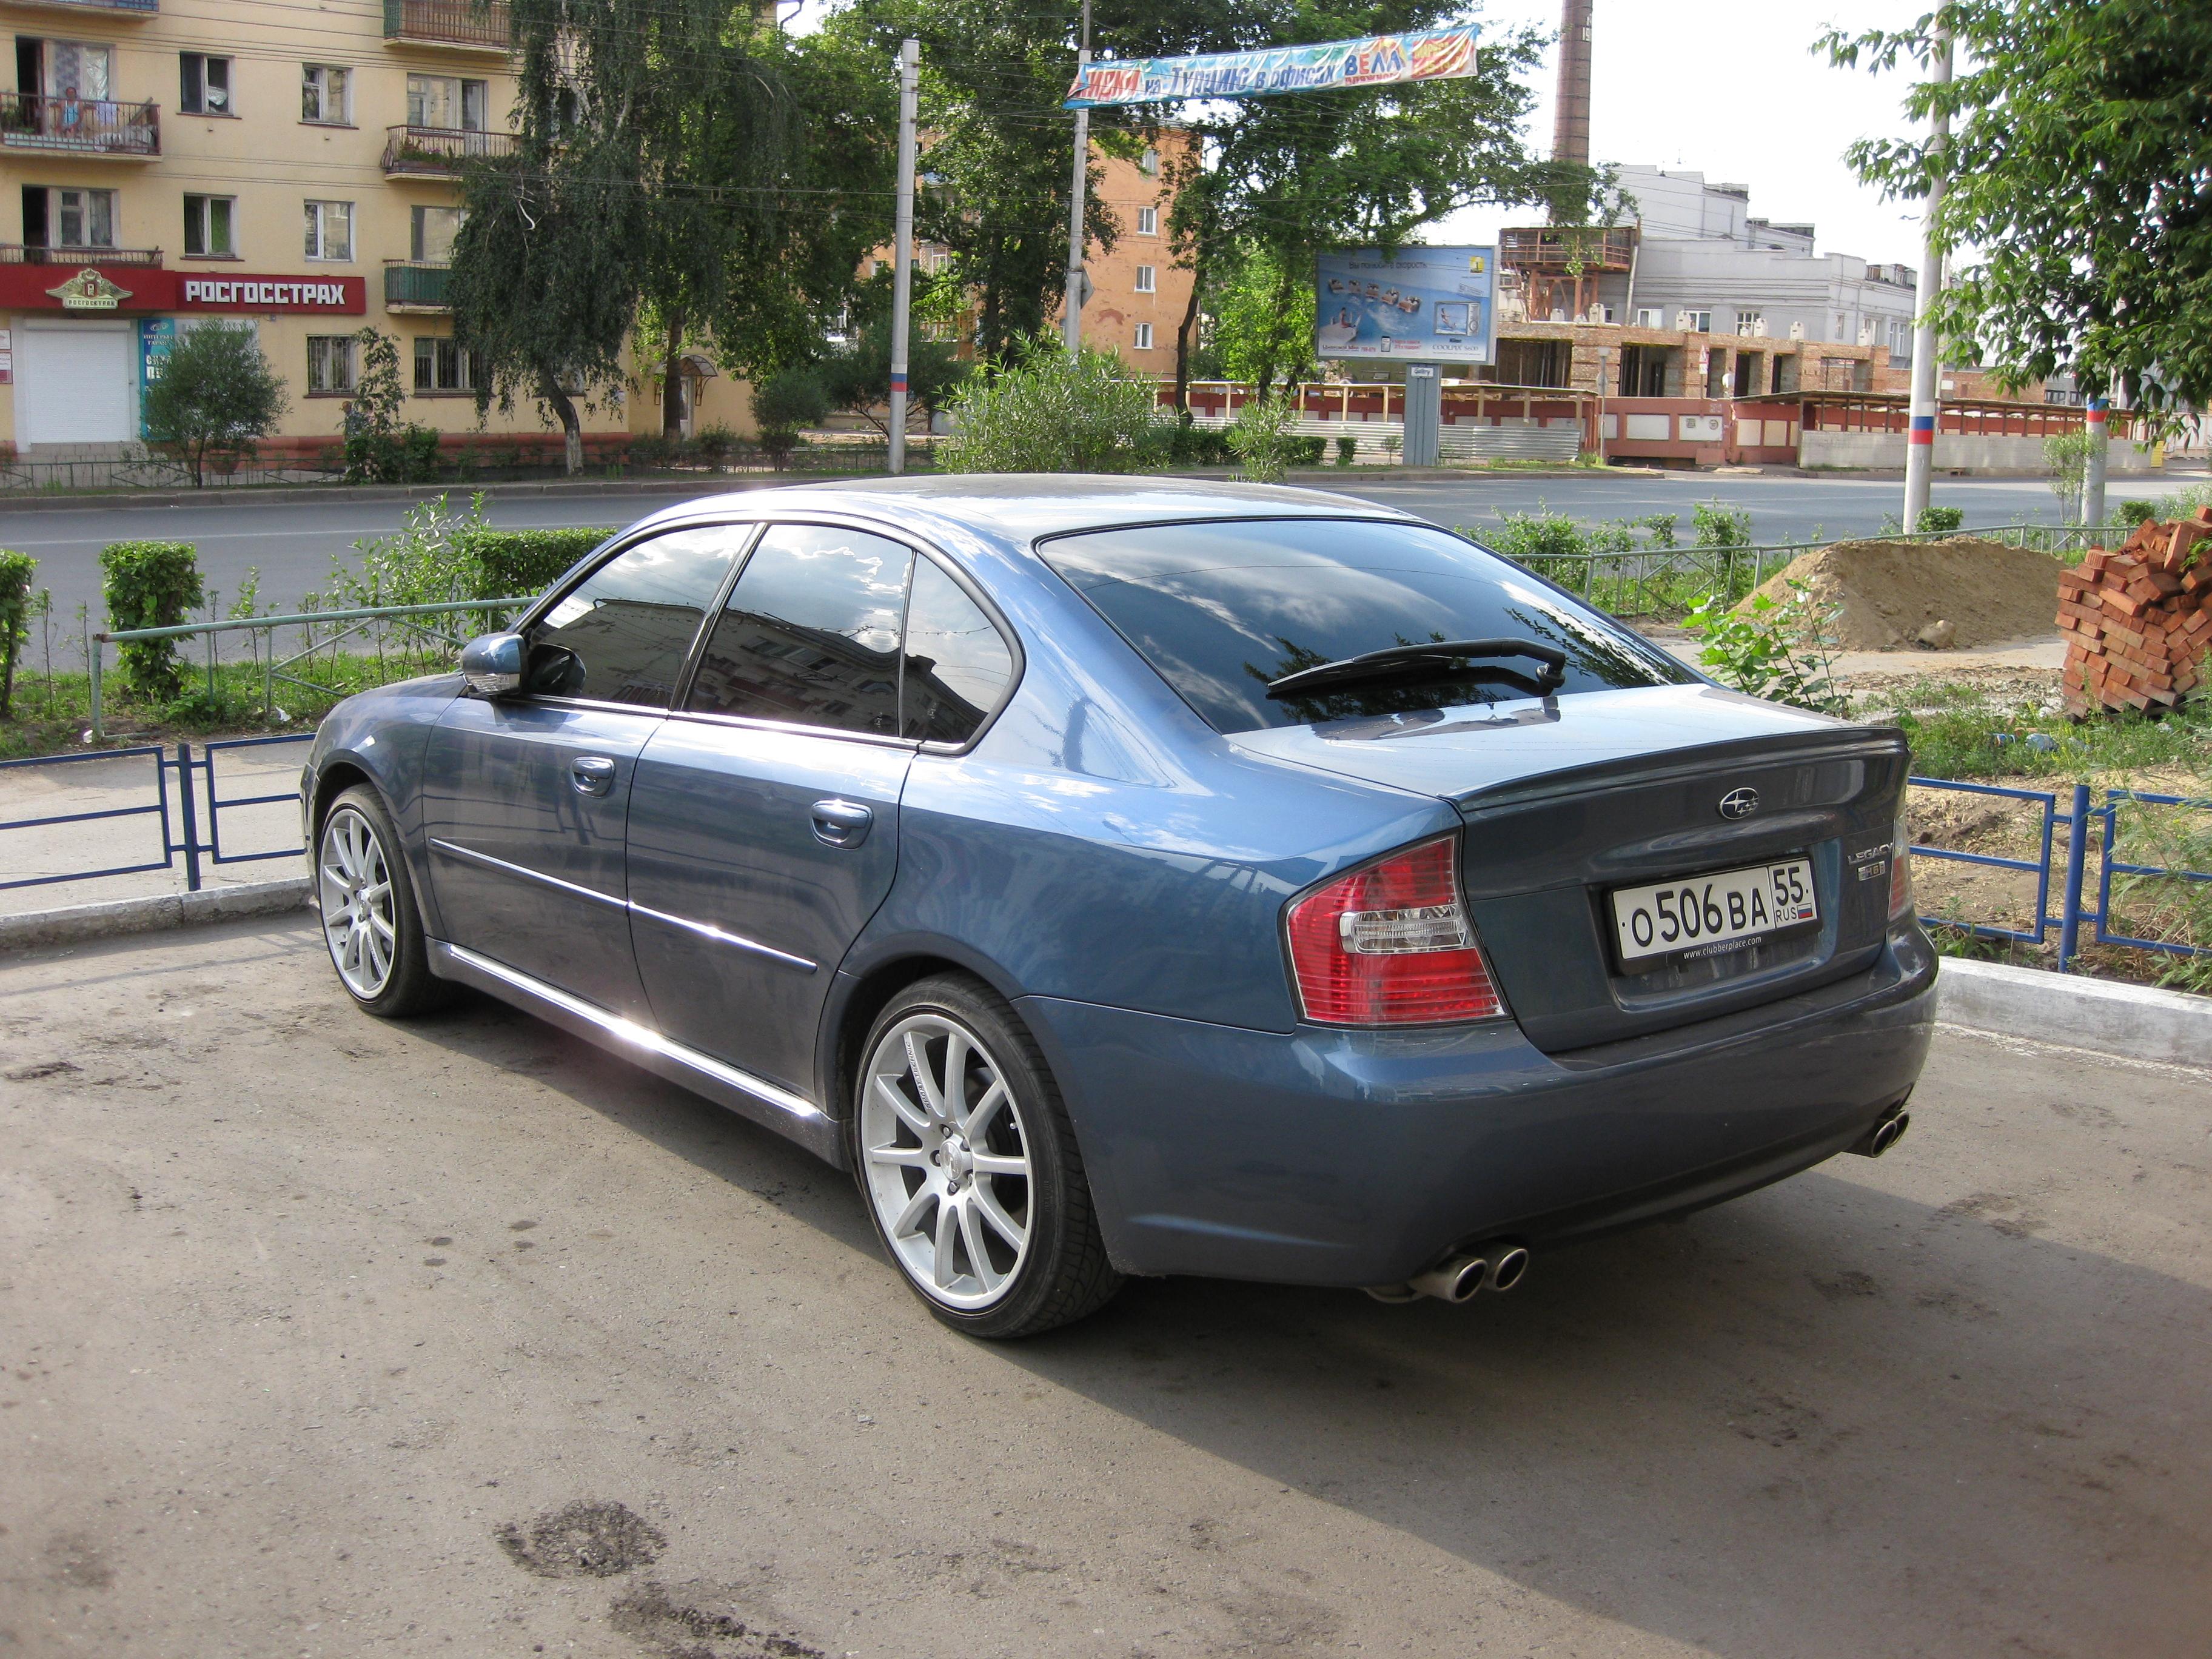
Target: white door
{"type": "Point", "coordinates": [76, 384]}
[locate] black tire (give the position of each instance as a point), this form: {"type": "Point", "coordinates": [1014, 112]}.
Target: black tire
{"type": "Point", "coordinates": [406, 987]}
{"type": "Point", "coordinates": [1060, 1272]}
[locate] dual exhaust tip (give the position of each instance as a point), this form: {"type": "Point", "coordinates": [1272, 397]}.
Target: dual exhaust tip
{"type": "Point", "coordinates": [1885, 1134]}
{"type": "Point", "coordinates": [1496, 1266]}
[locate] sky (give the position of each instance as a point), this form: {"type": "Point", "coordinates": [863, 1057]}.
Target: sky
{"type": "Point", "coordinates": [1725, 88]}
{"type": "Point", "coordinates": [1728, 89]}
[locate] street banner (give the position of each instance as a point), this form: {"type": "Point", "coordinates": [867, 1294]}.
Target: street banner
{"type": "Point", "coordinates": [1433, 302]}
{"type": "Point", "coordinates": [1378, 60]}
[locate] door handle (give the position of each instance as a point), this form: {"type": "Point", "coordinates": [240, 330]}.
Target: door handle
{"type": "Point", "coordinates": [841, 823]}
{"type": "Point", "coordinates": [592, 775]}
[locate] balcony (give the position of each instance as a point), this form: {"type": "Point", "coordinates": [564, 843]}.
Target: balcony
{"type": "Point", "coordinates": [454, 25]}
{"type": "Point", "coordinates": [440, 152]}
{"type": "Point", "coordinates": [79, 126]}
{"type": "Point", "coordinates": [416, 285]}
{"type": "Point", "coordinates": [115, 8]}
{"type": "Point", "coordinates": [75, 258]}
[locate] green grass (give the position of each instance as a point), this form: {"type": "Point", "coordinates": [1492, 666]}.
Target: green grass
{"type": "Point", "coordinates": [1961, 737]}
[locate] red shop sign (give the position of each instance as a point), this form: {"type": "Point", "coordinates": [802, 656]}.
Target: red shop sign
{"type": "Point", "coordinates": [91, 290]}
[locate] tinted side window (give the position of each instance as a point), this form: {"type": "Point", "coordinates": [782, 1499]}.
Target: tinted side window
{"type": "Point", "coordinates": [957, 667]}
{"type": "Point", "coordinates": [811, 634]}
{"type": "Point", "coordinates": [622, 634]}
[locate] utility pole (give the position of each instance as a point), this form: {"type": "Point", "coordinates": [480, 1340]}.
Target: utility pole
{"type": "Point", "coordinates": [1920, 438]}
{"type": "Point", "coordinates": [1072, 320]}
{"type": "Point", "coordinates": [902, 253]}
{"type": "Point", "coordinates": [2093, 473]}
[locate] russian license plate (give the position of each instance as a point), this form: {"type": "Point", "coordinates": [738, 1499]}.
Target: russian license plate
{"type": "Point", "coordinates": [1704, 915]}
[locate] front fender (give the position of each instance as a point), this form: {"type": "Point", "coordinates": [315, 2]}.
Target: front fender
{"type": "Point", "coordinates": [381, 737]}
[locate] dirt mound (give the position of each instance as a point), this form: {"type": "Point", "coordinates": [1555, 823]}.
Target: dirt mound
{"type": "Point", "coordinates": [1884, 593]}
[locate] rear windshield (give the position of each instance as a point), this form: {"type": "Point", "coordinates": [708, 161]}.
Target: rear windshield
{"type": "Point", "coordinates": [1220, 608]}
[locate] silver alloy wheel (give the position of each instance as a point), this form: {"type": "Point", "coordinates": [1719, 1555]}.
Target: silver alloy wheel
{"type": "Point", "coordinates": [354, 882]}
{"type": "Point", "coordinates": [948, 1161]}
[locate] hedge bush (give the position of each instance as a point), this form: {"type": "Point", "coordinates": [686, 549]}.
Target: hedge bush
{"type": "Point", "coordinates": [150, 584]}
{"type": "Point", "coordinates": [16, 570]}
{"type": "Point", "coordinates": [513, 562]}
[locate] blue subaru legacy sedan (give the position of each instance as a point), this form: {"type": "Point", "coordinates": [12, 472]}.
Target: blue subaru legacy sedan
{"type": "Point", "coordinates": [1128, 875]}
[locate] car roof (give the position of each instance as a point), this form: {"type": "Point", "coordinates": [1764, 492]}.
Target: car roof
{"type": "Point", "coordinates": [1023, 506]}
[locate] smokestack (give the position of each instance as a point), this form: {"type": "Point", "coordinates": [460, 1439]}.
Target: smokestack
{"type": "Point", "coordinates": [1571, 121]}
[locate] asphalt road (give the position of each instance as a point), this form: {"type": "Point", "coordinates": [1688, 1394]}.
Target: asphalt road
{"type": "Point", "coordinates": [293, 543]}
{"type": "Point", "coordinates": [298, 1312]}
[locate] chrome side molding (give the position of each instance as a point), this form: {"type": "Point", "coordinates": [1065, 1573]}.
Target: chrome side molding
{"type": "Point", "coordinates": [767, 1103]}
{"type": "Point", "coordinates": [702, 929]}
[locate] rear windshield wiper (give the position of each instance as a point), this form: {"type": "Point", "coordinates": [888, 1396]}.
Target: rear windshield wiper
{"type": "Point", "coordinates": [1439, 659]}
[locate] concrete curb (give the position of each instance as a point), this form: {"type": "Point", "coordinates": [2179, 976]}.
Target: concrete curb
{"type": "Point", "coordinates": [2135, 1022]}
{"type": "Point", "coordinates": [78, 923]}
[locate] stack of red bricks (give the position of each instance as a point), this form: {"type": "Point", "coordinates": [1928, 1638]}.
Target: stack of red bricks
{"type": "Point", "coordinates": [2137, 620]}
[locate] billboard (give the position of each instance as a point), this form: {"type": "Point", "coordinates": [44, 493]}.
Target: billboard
{"type": "Point", "coordinates": [1373, 61]}
{"type": "Point", "coordinates": [1435, 302]}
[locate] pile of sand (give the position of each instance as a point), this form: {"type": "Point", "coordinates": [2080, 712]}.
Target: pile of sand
{"type": "Point", "coordinates": [1882, 595]}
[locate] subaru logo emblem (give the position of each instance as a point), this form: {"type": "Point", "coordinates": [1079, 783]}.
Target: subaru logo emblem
{"type": "Point", "coordinates": [1739, 803]}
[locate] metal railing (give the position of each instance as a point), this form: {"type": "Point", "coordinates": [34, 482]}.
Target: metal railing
{"type": "Point", "coordinates": [417, 284]}
{"type": "Point", "coordinates": [2084, 824]}
{"type": "Point", "coordinates": [440, 152]}
{"type": "Point", "coordinates": [448, 22]}
{"type": "Point", "coordinates": [19, 254]}
{"type": "Point", "coordinates": [79, 126]}
{"type": "Point", "coordinates": [343, 625]}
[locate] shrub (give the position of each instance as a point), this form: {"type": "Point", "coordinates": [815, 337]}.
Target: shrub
{"type": "Point", "coordinates": [651, 449]}
{"type": "Point", "coordinates": [1778, 651]}
{"type": "Point", "coordinates": [1261, 436]}
{"type": "Point", "coordinates": [2068, 456]}
{"type": "Point", "coordinates": [789, 401]}
{"type": "Point", "coordinates": [2134, 513]}
{"type": "Point", "coordinates": [215, 395]}
{"type": "Point", "coordinates": [1940, 519]}
{"type": "Point", "coordinates": [425, 561]}
{"type": "Point", "coordinates": [1716, 524]}
{"type": "Point", "coordinates": [380, 447]}
{"type": "Point", "coordinates": [1191, 445]}
{"type": "Point", "coordinates": [717, 443]}
{"type": "Point", "coordinates": [1347, 448]}
{"type": "Point", "coordinates": [150, 584]}
{"type": "Point", "coordinates": [511, 563]}
{"type": "Point", "coordinates": [1051, 415]}
{"type": "Point", "coordinates": [16, 570]}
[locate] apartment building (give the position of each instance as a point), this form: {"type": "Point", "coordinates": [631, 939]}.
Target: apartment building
{"type": "Point", "coordinates": [1138, 293]}
{"type": "Point", "coordinates": [293, 168]}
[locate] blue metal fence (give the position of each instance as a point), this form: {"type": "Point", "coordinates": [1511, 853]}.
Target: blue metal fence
{"type": "Point", "coordinates": [2082, 822]}
{"type": "Point", "coordinates": [174, 809]}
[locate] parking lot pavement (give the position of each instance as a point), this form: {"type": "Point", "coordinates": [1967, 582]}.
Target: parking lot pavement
{"type": "Point", "coordinates": [298, 1311]}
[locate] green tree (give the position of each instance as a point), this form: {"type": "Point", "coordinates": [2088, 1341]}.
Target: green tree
{"type": "Point", "coordinates": [785, 402]}
{"type": "Point", "coordinates": [215, 396]}
{"type": "Point", "coordinates": [16, 570]}
{"type": "Point", "coordinates": [681, 165]}
{"type": "Point", "coordinates": [857, 377]}
{"type": "Point", "coordinates": [382, 446]}
{"type": "Point", "coordinates": [1049, 415]}
{"type": "Point", "coordinates": [2081, 141]}
{"type": "Point", "coordinates": [1263, 317]}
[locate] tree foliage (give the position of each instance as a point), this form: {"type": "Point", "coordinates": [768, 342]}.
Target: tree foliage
{"type": "Point", "coordinates": [857, 376]}
{"type": "Point", "coordinates": [678, 161]}
{"type": "Point", "coordinates": [217, 395]}
{"type": "Point", "coordinates": [382, 446]}
{"type": "Point", "coordinates": [2076, 177]}
{"type": "Point", "coordinates": [1263, 317]}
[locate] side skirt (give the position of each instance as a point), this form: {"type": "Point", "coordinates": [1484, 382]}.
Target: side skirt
{"type": "Point", "coordinates": [768, 1104]}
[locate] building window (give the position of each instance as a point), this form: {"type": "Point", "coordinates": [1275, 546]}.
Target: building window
{"type": "Point", "coordinates": [430, 237]}
{"type": "Point", "coordinates": [1148, 221]}
{"type": "Point", "coordinates": [84, 218]}
{"type": "Point", "coordinates": [330, 230]}
{"type": "Point", "coordinates": [442, 101]}
{"type": "Point", "coordinates": [1694, 322]}
{"type": "Point", "coordinates": [208, 222]}
{"type": "Point", "coordinates": [1147, 279]}
{"type": "Point", "coordinates": [206, 88]}
{"type": "Point", "coordinates": [332, 365]}
{"type": "Point", "coordinates": [326, 95]}
{"type": "Point", "coordinates": [1750, 322]}
{"type": "Point", "coordinates": [441, 366]}
{"type": "Point", "coordinates": [1144, 336]}
{"type": "Point", "coordinates": [1151, 162]}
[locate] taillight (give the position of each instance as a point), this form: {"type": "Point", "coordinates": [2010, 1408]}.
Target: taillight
{"type": "Point", "coordinates": [1390, 944]}
{"type": "Point", "coordinates": [1900, 870]}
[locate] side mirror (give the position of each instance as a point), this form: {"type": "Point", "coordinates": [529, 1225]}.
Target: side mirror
{"type": "Point", "coordinates": [492, 664]}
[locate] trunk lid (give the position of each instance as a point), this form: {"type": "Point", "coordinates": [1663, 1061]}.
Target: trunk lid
{"type": "Point", "coordinates": [1566, 802]}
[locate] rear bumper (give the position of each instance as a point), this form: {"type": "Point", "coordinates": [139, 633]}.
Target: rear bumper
{"type": "Point", "coordinates": [1330, 1158]}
